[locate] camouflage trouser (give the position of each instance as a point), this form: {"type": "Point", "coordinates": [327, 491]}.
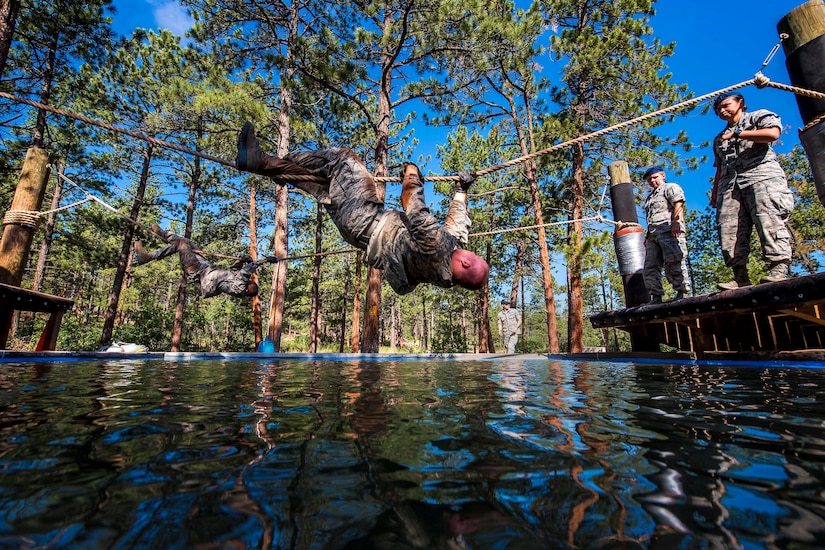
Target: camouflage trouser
{"type": "Point", "coordinates": [662, 249]}
{"type": "Point", "coordinates": [765, 205]}
{"type": "Point", "coordinates": [350, 197]}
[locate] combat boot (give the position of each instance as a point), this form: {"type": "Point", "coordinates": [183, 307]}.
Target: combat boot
{"type": "Point", "coordinates": [655, 298]}
{"type": "Point", "coordinates": [141, 256]}
{"type": "Point", "coordinates": [778, 272]}
{"type": "Point", "coordinates": [740, 279]}
{"type": "Point", "coordinates": [250, 157]}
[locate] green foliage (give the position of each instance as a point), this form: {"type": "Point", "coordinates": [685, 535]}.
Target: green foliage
{"type": "Point", "coordinates": [505, 80]}
{"type": "Point", "coordinates": [806, 218]}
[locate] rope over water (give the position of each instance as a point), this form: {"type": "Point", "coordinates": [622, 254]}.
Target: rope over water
{"type": "Point", "coordinates": [759, 80]}
{"type": "Point", "coordinates": [31, 218]}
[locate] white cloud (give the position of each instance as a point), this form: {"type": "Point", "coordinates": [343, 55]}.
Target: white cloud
{"type": "Point", "coordinates": [171, 15]}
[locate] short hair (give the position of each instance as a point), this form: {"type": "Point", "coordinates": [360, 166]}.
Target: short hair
{"type": "Point", "coordinates": [251, 288]}
{"type": "Point", "coordinates": [473, 275]}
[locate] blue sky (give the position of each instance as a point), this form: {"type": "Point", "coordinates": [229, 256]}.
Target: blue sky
{"type": "Point", "coordinates": [717, 44]}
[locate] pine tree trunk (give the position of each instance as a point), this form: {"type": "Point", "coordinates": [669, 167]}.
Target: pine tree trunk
{"type": "Point", "coordinates": [486, 342]}
{"type": "Point", "coordinates": [125, 251]}
{"type": "Point", "coordinates": [343, 328]}
{"type": "Point", "coordinates": [279, 273]}
{"type": "Point", "coordinates": [253, 252]}
{"type": "Point", "coordinates": [48, 233]}
{"type": "Point", "coordinates": [315, 304]}
{"type": "Point", "coordinates": [356, 305]}
{"type": "Point", "coordinates": [575, 310]}
{"type": "Point", "coordinates": [8, 21]}
{"type": "Point", "coordinates": [180, 305]}
{"type": "Point", "coordinates": [281, 241]}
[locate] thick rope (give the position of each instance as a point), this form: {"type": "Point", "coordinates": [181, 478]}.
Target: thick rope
{"type": "Point", "coordinates": [763, 81]}
{"type": "Point", "coordinates": [90, 197]}
{"type": "Point", "coordinates": [22, 217]}
{"type": "Point", "coordinates": [814, 122]}
{"type": "Point", "coordinates": [548, 224]}
{"type": "Point", "coordinates": [275, 259]}
{"type": "Point", "coordinates": [116, 129]}
{"type": "Point", "coordinates": [609, 129]}
{"type": "Point", "coordinates": [481, 172]}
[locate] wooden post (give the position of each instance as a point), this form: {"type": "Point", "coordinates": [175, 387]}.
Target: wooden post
{"type": "Point", "coordinates": [803, 40]}
{"type": "Point", "coordinates": [628, 237]}
{"type": "Point", "coordinates": [28, 197]}
{"type": "Point", "coordinates": [628, 240]}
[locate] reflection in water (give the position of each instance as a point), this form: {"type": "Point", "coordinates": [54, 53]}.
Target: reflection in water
{"type": "Point", "coordinates": [409, 454]}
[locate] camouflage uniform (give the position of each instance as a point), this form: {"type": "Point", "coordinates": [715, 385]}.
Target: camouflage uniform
{"type": "Point", "coordinates": [661, 247]}
{"type": "Point", "coordinates": [212, 280]}
{"type": "Point", "coordinates": [508, 325]}
{"type": "Point", "coordinates": [751, 191]}
{"type": "Point", "coordinates": [411, 247]}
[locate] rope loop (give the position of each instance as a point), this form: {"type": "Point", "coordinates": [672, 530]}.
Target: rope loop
{"type": "Point", "coordinates": [22, 217]}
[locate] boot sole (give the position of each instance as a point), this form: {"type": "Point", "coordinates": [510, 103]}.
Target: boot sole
{"type": "Point", "coordinates": [241, 160]}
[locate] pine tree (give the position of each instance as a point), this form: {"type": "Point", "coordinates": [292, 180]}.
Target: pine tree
{"type": "Point", "coordinates": [611, 72]}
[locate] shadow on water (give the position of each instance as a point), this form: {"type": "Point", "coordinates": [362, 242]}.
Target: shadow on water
{"type": "Point", "coordinates": [515, 453]}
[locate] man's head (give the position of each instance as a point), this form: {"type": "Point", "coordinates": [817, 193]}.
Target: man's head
{"type": "Point", "coordinates": [251, 289]}
{"type": "Point", "coordinates": [469, 270]}
{"type": "Point", "coordinates": [655, 176]}
{"type": "Point", "coordinates": [505, 305]}
{"type": "Point", "coordinates": [727, 105]}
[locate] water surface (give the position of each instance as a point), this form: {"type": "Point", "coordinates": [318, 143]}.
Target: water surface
{"type": "Point", "coordinates": [410, 454]}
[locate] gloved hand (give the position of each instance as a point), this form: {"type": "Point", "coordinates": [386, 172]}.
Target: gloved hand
{"type": "Point", "coordinates": [240, 262]}
{"type": "Point", "coordinates": [465, 180]}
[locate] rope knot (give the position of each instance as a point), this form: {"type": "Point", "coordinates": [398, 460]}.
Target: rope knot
{"type": "Point", "coordinates": [761, 80]}
{"type": "Point", "coordinates": [22, 217]}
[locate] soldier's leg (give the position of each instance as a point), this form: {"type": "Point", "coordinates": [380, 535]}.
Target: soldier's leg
{"type": "Point", "coordinates": [770, 207]}
{"type": "Point", "coordinates": [674, 253]}
{"type": "Point", "coordinates": [144, 257]}
{"type": "Point", "coordinates": [192, 262]}
{"type": "Point", "coordinates": [251, 158]}
{"type": "Point", "coordinates": [652, 273]}
{"type": "Point", "coordinates": [734, 226]}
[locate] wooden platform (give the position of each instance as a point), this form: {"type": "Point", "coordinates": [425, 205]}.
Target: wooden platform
{"type": "Point", "coordinates": [13, 299]}
{"type": "Point", "coordinates": [768, 321]}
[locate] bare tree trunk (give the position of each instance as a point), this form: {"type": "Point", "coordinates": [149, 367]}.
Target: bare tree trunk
{"type": "Point", "coordinates": [523, 319]}
{"type": "Point", "coordinates": [180, 305]}
{"type": "Point", "coordinates": [281, 242]}
{"type": "Point", "coordinates": [279, 272]}
{"type": "Point", "coordinates": [486, 343]}
{"type": "Point", "coordinates": [535, 196]}
{"type": "Point", "coordinates": [315, 305]}
{"type": "Point", "coordinates": [125, 250]}
{"type": "Point", "coordinates": [521, 248]}
{"type": "Point", "coordinates": [46, 91]}
{"type": "Point", "coordinates": [425, 340]}
{"type": "Point", "coordinates": [356, 305]}
{"type": "Point", "coordinates": [45, 246]}
{"type": "Point", "coordinates": [343, 330]}
{"type": "Point", "coordinates": [371, 338]}
{"type": "Point", "coordinates": [8, 21]}
{"type": "Point", "coordinates": [253, 252]}
{"type": "Point", "coordinates": [575, 310]}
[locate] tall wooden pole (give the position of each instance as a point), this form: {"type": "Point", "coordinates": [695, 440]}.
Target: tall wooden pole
{"type": "Point", "coordinates": [803, 40]}
{"type": "Point", "coordinates": [28, 197]}
{"type": "Point", "coordinates": [628, 239]}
